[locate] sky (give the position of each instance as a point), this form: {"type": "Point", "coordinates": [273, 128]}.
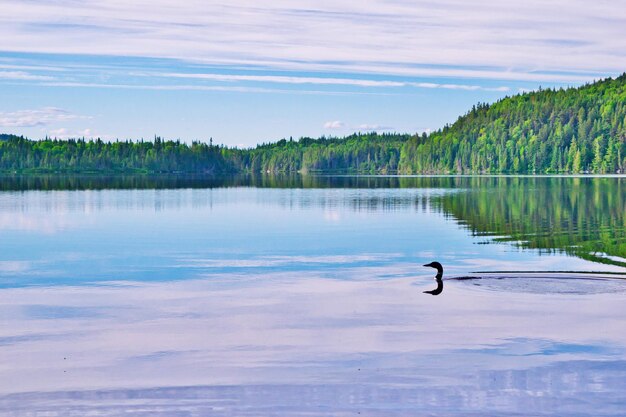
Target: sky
{"type": "Point", "coordinates": [244, 72]}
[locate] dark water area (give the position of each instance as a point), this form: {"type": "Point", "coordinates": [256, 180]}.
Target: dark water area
{"type": "Point", "coordinates": [50, 182]}
{"type": "Point", "coordinates": [98, 182]}
{"type": "Point", "coordinates": [304, 295]}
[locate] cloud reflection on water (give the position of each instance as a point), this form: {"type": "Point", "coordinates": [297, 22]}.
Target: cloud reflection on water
{"type": "Point", "coordinates": [257, 301]}
{"type": "Point", "coordinates": [378, 340]}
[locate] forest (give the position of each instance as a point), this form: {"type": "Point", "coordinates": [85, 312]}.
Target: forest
{"type": "Point", "coordinates": [573, 130]}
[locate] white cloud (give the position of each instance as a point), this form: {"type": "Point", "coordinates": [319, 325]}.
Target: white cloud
{"type": "Point", "coordinates": [324, 81]}
{"type": "Point", "coordinates": [195, 87]}
{"type": "Point", "coordinates": [23, 76]}
{"type": "Point", "coordinates": [65, 133]}
{"type": "Point", "coordinates": [38, 117]}
{"type": "Point", "coordinates": [338, 124]}
{"type": "Point", "coordinates": [458, 87]}
{"type": "Point", "coordinates": [532, 40]}
{"type": "Point", "coordinates": [61, 132]}
{"type": "Point", "coordinates": [289, 79]}
{"type": "Point", "coordinates": [334, 124]}
{"type": "Point", "coordinates": [14, 267]}
{"type": "Point", "coordinates": [32, 67]}
{"type": "Point", "coordinates": [373, 127]}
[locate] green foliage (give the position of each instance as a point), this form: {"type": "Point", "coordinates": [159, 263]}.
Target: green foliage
{"type": "Point", "coordinates": [18, 154]}
{"type": "Point", "coordinates": [359, 153]}
{"type": "Point", "coordinates": [549, 131]}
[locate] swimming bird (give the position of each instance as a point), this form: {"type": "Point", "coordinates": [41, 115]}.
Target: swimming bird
{"type": "Point", "coordinates": [438, 278]}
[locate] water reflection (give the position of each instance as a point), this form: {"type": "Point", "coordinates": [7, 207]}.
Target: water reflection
{"type": "Point", "coordinates": [584, 217]}
{"type": "Point", "coordinates": [14, 208]}
{"type": "Point", "coordinates": [498, 393]}
{"type": "Point", "coordinates": [580, 283]}
{"type": "Point", "coordinates": [121, 182]}
{"type": "Point", "coordinates": [227, 298]}
{"type": "Point", "coordinates": [580, 216]}
{"type": "Point", "coordinates": [276, 346]}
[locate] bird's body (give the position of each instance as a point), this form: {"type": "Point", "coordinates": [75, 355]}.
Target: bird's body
{"type": "Point", "coordinates": [438, 278]}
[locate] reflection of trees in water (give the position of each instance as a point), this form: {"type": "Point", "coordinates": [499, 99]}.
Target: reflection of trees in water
{"type": "Point", "coordinates": [165, 181]}
{"type": "Point", "coordinates": [584, 217]}
{"type": "Point", "coordinates": [364, 194]}
{"type": "Point", "coordinates": [114, 182]}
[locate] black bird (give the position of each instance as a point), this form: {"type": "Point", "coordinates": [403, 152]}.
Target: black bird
{"type": "Point", "coordinates": [438, 278]}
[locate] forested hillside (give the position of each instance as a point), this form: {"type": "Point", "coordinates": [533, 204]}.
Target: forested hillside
{"type": "Point", "coordinates": [573, 130]}
{"type": "Point", "coordinates": [549, 131]}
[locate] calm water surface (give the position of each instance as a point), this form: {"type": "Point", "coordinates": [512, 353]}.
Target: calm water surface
{"type": "Point", "coordinates": [304, 296]}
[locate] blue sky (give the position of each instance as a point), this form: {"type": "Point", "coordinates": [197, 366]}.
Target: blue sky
{"type": "Point", "coordinates": [245, 72]}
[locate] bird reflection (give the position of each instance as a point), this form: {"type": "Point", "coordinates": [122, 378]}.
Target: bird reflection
{"type": "Point", "coordinates": [438, 278]}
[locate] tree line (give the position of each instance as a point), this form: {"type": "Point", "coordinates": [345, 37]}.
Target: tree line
{"type": "Point", "coordinates": [574, 130]}
{"type": "Point", "coordinates": [571, 130]}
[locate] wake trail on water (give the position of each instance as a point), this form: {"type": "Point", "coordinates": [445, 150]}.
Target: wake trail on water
{"type": "Point", "coordinates": [547, 282]}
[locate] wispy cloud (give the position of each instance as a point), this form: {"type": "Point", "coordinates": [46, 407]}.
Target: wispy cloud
{"type": "Point", "coordinates": [163, 62]}
{"type": "Point", "coordinates": [325, 81]}
{"type": "Point", "coordinates": [289, 79]}
{"type": "Point", "coordinates": [23, 76]}
{"type": "Point", "coordinates": [373, 127]}
{"type": "Point", "coordinates": [370, 127]}
{"type": "Point", "coordinates": [334, 124]}
{"type": "Point", "coordinates": [159, 87]}
{"type": "Point", "coordinates": [14, 267]}
{"type": "Point", "coordinates": [37, 117]}
{"type": "Point", "coordinates": [489, 39]}
{"type": "Point", "coordinates": [22, 67]}
{"type": "Point", "coordinates": [458, 87]}
{"type": "Point", "coordinates": [197, 87]}
{"type": "Point", "coordinates": [66, 133]}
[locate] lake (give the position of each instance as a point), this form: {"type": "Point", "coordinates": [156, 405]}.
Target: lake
{"type": "Point", "coordinates": [294, 296]}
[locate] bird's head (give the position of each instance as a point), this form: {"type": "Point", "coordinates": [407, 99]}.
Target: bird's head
{"type": "Point", "coordinates": [436, 265]}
